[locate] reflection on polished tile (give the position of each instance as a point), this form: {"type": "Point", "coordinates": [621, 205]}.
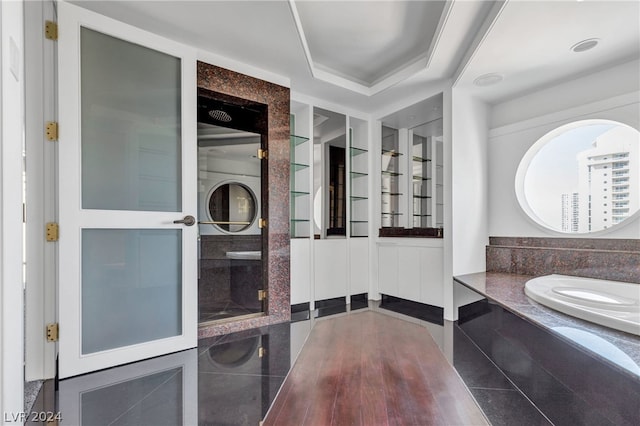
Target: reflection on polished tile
{"type": "Point", "coordinates": [567, 384]}
{"type": "Point", "coordinates": [158, 391]}
{"type": "Point", "coordinates": [227, 380]}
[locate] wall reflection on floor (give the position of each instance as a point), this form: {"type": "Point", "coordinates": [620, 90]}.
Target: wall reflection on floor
{"type": "Point", "coordinates": [227, 380]}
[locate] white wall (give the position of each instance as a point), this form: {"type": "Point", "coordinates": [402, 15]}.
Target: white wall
{"type": "Point", "coordinates": [469, 183]}
{"type": "Point", "coordinates": [532, 116]}
{"type": "Point", "coordinates": [590, 88]}
{"type": "Point", "coordinates": [12, 133]}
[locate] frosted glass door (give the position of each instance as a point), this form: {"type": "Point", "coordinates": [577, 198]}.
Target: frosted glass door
{"type": "Point", "coordinates": [128, 255]}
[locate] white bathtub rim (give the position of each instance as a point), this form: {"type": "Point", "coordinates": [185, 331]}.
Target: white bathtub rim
{"type": "Point", "coordinates": [623, 318]}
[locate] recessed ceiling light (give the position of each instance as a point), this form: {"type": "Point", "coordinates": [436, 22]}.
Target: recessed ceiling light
{"type": "Point", "coordinates": [488, 79]}
{"type": "Point", "coordinates": [585, 45]}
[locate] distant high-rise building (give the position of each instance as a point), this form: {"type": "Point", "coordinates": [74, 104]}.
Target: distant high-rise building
{"type": "Point", "coordinates": [570, 212]}
{"type": "Point", "coordinates": [608, 174]}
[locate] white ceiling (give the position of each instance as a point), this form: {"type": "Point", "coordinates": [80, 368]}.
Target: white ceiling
{"type": "Point", "coordinates": [367, 42]}
{"type": "Point", "coordinates": [527, 41]}
{"type": "Point", "coordinates": [530, 42]}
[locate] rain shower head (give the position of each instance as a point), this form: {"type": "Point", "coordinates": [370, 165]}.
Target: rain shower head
{"type": "Point", "coordinates": [220, 115]}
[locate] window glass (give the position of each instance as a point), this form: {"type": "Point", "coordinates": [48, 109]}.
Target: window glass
{"type": "Point", "coordinates": [563, 180]}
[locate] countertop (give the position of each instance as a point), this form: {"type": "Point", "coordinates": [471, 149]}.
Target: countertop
{"type": "Point", "coordinates": [508, 291]}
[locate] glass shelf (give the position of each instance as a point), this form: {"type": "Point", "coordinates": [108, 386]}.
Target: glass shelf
{"type": "Point", "coordinates": [298, 166]}
{"type": "Point", "coordinates": [391, 214]}
{"type": "Point", "coordinates": [297, 140]}
{"type": "Point", "coordinates": [357, 151]}
{"type": "Point", "coordinates": [393, 194]}
{"type": "Point", "coordinates": [358, 198]}
{"type": "Point", "coordinates": [422, 197]}
{"type": "Point", "coordinates": [390, 173]}
{"type": "Point", "coordinates": [391, 153]}
{"type": "Point", "coordinates": [356, 175]}
{"type": "Point", "coordinates": [421, 215]}
{"type": "Point", "coordinates": [421, 178]}
{"type": "Point", "coordinates": [420, 159]}
{"type": "Point", "coordinates": [299, 218]}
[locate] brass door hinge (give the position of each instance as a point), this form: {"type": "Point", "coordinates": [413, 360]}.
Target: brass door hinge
{"type": "Point", "coordinates": [261, 352]}
{"type": "Point", "coordinates": [52, 332]}
{"type": "Point", "coordinates": [51, 130]}
{"type": "Point", "coordinates": [262, 223]}
{"type": "Point", "coordinates": [262, 294]}
{"type": "Point", "coordinates": [52, 232]}
{"type": "Point", "coordinates": [51, 30]}
{"type": "Point", "coordinates": [263, 154]}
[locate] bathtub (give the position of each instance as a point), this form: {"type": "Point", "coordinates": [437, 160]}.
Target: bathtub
{"type": "Point", "coordinates": [613, 304]}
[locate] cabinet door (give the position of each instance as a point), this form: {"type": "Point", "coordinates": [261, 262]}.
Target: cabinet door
{"type": "Point", "coordinates": [388, 270]}
{"type": "Point", "coordinates": [409, 259]}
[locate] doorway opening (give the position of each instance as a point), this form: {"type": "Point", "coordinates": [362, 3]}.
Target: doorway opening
{"type": "Point", "coordinates": [232, 243]}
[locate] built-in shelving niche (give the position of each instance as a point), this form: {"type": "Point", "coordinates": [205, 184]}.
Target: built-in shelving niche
{"type": "Point", "coordinates": [411, 159]}
{"type": "Point", "coordinates": [358, 178]}
{"type": "Point", "coordinates": [300, 181]}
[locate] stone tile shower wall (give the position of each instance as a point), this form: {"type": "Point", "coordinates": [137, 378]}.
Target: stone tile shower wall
{"type": "Point", "coordinates": [275, 186]}
{"type": "Point", "coordinates": [216, 274]}
{"type": "Point", "coordinates": [611, 259]}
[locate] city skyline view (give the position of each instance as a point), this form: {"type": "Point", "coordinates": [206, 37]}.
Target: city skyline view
{"type": "Point", "coordinates": [552, 183]}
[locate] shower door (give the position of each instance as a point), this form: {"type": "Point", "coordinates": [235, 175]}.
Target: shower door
{"type": "Point", "coordinates": [127, 167]}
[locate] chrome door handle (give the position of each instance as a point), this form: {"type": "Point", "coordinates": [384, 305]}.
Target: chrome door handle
{"type": "Point", "coordinates": [188, 220]}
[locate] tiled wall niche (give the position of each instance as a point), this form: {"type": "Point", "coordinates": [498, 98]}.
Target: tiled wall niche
{"type": "Point", "coordinates": [275, 189]}
{"type": "Point", "coordinates": [610, 259]}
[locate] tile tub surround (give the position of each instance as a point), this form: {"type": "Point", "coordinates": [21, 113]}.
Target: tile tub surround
{"type": "Point", "coordinates": [507, 290]}
{"type": "Point", "coordinates": [609, 259]}
{"type": "Point", "coordinates": [561, 382]}
{"type": "Point", "coordinates": [275, 188]}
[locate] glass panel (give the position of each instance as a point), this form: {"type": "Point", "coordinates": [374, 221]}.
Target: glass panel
{"type": "Point", "coordinates": [329, 174]}
{"type": "Point", "coordinates": [130, 105]}
{"type": "Point", "coordinates": [427, 174]}
{"type": "Point", "coordinates": [229, 190]}
{"type": "Point", "coordinates": [391, 176]}
{"type": "Point", "coordinates": [570, 178]}
{"type": "Point", "coordinates": [131, 287]}
{"type": "Point", "coordinates": [155, 399]}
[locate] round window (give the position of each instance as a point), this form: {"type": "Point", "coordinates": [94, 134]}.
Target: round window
{"type": "Point", "coordinates": [232, 207]}
{"type": "Point", "coordinates": [581, 177]}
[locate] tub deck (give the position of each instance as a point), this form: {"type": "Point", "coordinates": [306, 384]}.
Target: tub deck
{"type": "Point", "coordinates": [507, 290]}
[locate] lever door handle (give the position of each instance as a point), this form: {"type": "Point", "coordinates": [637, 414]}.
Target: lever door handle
{"type": "Point", "coordinates": [188, 221]}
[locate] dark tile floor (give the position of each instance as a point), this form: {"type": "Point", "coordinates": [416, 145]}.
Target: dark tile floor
{"type": "Point", "coordinates": [234, 379]}
{"type": "Point", "coordinates": [226, 380]}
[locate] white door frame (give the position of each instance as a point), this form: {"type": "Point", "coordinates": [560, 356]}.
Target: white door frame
{"type": "Point", "coordinates": [40, 107]}
{"type": "Point", "coordinates": [11, 141]}
{"type": "Point", "coordinates": [73, 218]}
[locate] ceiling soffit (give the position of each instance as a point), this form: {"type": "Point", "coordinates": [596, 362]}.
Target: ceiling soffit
{"type": "Point", "coordinates": [367, 47]}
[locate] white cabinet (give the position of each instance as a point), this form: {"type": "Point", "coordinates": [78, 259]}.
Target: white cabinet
{"type": "Point", "coordinates": [358, 266]}
{"type": "Point", "coordinates": [388, 269]}
{"type": "Point", "coordinates": [300, 270]}
{"type": "Point", "coordinates": [412, 272]}
{"type": "Point", "coordinates": [330, 268]}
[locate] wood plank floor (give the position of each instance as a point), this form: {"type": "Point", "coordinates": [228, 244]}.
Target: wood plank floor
{"type": "Point", "coordinates": [371, 369]}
